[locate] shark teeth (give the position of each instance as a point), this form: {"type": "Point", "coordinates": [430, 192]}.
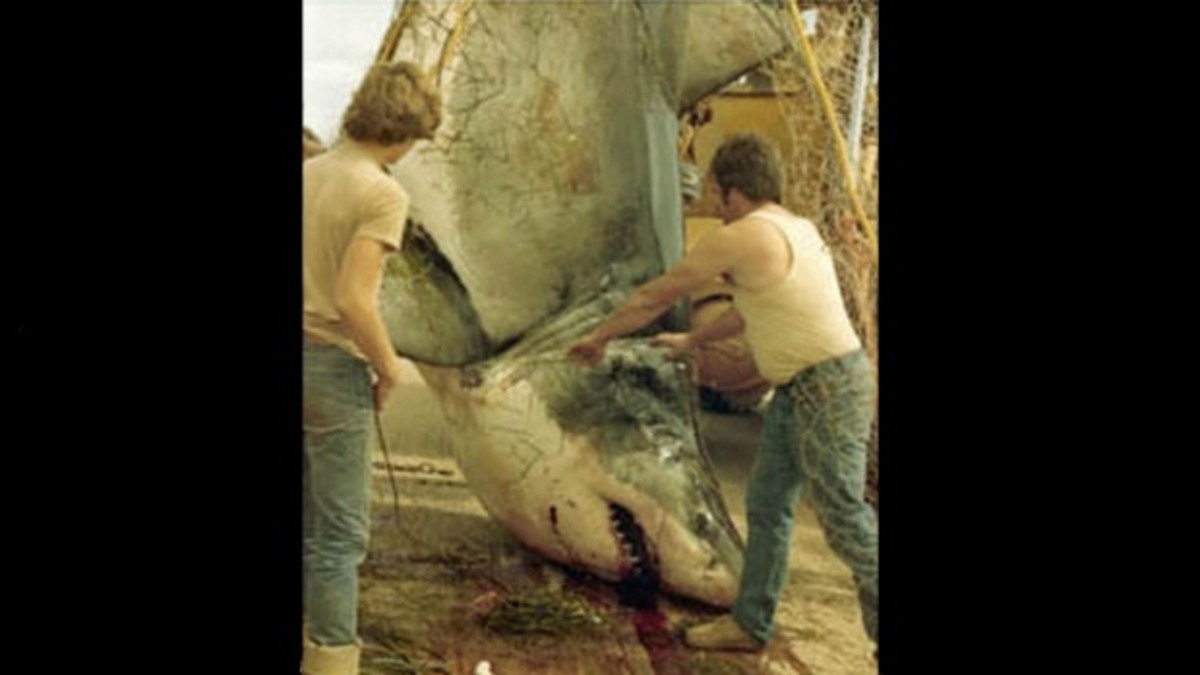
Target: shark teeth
{"type": "Point", "coordinates": [630, 538]}
{"type": "Point", "coordinates": [640, 579]}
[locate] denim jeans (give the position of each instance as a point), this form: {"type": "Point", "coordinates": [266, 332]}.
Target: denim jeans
{"type": "Point", "coordinates": [815, 436]}
{"type": "Point", "coordinates": [338, 407]}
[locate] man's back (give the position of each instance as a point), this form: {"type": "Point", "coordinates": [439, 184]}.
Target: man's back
{"type": "Point", "coordinates": [346, 195]}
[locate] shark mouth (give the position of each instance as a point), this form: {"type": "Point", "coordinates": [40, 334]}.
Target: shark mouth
{"type": "Point", "coordinates": [640, 580]}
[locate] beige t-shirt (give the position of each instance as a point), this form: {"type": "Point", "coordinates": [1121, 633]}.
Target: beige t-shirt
{"type": "Point", "coordinates": [799, 320]}
{"type": "Point", "coordinates": [346, 195]}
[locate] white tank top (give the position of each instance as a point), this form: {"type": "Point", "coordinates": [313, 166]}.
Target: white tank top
{"type": "Point", "coordinates": [799, 320]}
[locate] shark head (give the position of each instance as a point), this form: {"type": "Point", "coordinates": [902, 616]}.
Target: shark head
{"type": "Point", "coordinates": [599, 469]}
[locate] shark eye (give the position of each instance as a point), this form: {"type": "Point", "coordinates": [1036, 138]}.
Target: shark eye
{"type": "Point", "coordinates": [702, 522]}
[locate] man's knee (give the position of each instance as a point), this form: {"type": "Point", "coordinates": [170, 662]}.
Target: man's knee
{"type": "Point", "coordinates": [337, 557]}
{"type": "Point", "coordinates": [340, 546]}
{"type": "Point", "coordinates": [841, 494]}
{"type": "Point", "coordinates": [855, 541]}
{"type": "Point", "coordinates": [768, 514]}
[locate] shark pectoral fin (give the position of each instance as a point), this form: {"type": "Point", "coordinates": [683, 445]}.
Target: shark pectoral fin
{"type": "Point", "coordinates": [425, 307]}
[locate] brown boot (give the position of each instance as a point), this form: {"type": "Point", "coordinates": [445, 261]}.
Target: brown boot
{"type": "Point", "coordinates": [724, 633]}
{"type": "Point", "coordinates": [321, 660]}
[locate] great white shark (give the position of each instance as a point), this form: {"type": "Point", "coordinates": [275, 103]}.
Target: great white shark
{"type": "Point", "coordinates": [550, 191]}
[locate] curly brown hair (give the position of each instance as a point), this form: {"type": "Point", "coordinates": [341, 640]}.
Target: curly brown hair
{"type": "Point", "coordinates": [748, 162]}
{"type": "Point", "coordinates": [394, 103]}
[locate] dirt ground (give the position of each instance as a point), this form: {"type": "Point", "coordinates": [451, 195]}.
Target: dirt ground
{"type": "Point", "coordinates": [435, 572]}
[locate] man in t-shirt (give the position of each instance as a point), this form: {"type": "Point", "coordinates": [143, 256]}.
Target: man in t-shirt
{"type": "Point", "coordinates": [354, 214]}
{"type": "Point", "coordinates": [787, 301]}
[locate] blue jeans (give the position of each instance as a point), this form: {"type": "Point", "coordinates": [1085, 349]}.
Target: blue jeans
{"type": "Point", "coordinates": [815, 435]}
{"type": "Point", "coordinates": [338, 408]}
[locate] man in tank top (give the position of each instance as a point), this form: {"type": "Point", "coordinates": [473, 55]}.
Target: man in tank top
{"type": "Point", "coordinates": [787, 301]}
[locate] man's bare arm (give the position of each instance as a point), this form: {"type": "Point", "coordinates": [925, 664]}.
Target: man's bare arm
{"type": "Point", "coordinates": [357, 301]}
{"type": "Point", "coordinates": [712, 256]}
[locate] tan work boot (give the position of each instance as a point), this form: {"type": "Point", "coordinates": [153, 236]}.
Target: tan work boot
{"type": "Point", "coordinates": [724, 633]}
{"type": "Point", "coordinates": [321, 660]}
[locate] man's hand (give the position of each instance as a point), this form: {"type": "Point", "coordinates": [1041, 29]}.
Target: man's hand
{"type": "Point", "coordinates": [386, 383]}
{"type": "Point", "coordinates": [587, 352]}
{"type": "Point", "coordinates": [680, 344]}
